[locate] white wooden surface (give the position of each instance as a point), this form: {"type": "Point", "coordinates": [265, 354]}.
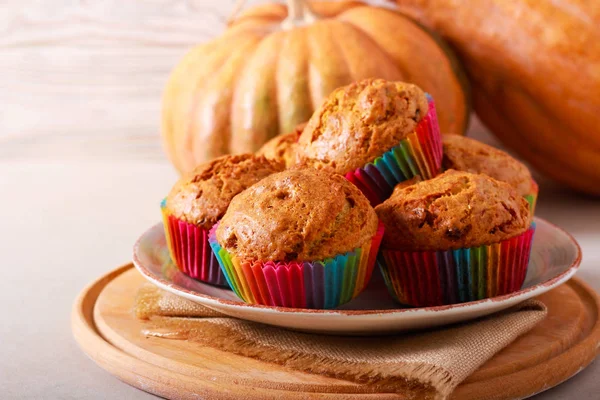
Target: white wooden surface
{"type": "Point", "coordinates": [82, 174]}
{"type": "Point", "coordinates": [83, 79]}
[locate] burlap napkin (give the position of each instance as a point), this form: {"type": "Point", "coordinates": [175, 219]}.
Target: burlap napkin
{"type": "Point", "coordinates": [423, 365]}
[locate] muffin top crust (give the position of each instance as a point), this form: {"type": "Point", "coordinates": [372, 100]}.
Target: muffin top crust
{"type": "Point", "coordinates": [359, 122]}
{"type": "Point", "coordinates": [454, 210]}
{"type": "Point", "coordinates": [470, 155]}
{"type": "Point", "coordinates": [298, 214]}
{"type": "Point", "coordinates": [282, 148]}
{"type": "Point", "coordinates": [202, 196]}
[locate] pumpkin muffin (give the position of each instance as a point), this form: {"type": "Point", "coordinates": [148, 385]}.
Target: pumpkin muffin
{"type": "Point", "coordinates": [406, 183]}
{"type": "Point", "coordinates": [470, 155]}
{"type": "Point", "coordinates": [452, 211]}
{"type": "Point", "coordinates": [282, 148]}
{"type": "Point", "coordinates": [376, 133]}
{"type": "Point", "coordinates": [312, 230]}
{"type": "Point", "coordinates": [198, 200]}
{"type": "Point", "coordinates": [457, 237]}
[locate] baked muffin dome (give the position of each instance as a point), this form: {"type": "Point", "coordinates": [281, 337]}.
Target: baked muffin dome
{"type": "Point", "coordinates": [406, 183]}
{"type": "Point", "coordinates": [454, 210]}
{"type": "Point", "coordinates": [469, 155]}
{"type": "Point", "coordinates": [202, 196]}
{"type": "Point", "coordinates": [359, 122]}
{"type": "Point", "coordinates": [298, 214]}
{"type": "Point", "coordinates": [282, 148]}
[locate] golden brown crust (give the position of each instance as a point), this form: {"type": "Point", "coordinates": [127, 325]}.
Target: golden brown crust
{"type": "Point", "coordinates": [469, 155]}
{"type": "Point", "coordinates": [202, 196]}
{"type": "Point", "coordinates": [408, 182]}
{"type": "Point", "coordinates": [282, 148]}
{"type": "Point", "coordinates": [298, 214]}
{"type": "Point", "coordinates": [454, 210]}
{"type": "Point", "coordinates": [359, 122]}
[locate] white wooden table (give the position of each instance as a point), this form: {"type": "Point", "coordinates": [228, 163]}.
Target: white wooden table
{"type": "Point", "coordinates": [82, 175]}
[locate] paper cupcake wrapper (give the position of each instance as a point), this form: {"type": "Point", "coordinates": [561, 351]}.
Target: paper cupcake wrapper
{"type": "Point", "coordinates": [434, 278]}
{"type": "Point", "coordinates": [190, 250]}
{"type": "Point", "coordinates": [532, 198]}
{"type": "Point", "coordinates": [315, 284]}
{"type": "Point", "coordinates": [420, 154]}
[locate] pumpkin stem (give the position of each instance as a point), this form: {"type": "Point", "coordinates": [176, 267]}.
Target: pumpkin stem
{"type": "Point", "coordinates": [299, 13]}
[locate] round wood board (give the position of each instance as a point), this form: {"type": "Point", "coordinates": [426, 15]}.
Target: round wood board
{"type": "Point", "coordinates": [104, 326]}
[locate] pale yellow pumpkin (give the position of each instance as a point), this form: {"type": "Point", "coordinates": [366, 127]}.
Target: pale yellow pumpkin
{"type": "Point", "coordinates": [275, 64]}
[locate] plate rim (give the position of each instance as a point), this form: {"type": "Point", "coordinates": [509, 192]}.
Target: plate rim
{"type": "Point", "coordinates": [513, 297]}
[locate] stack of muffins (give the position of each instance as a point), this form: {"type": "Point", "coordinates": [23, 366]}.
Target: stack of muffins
{"type": "Point", "coordinates": [367, 180]}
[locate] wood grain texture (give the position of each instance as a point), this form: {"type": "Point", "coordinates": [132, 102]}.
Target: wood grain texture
{"type": "Point", "coordinates": [104, 325]}
{"type": "Point", "coordinates": [83, 79]}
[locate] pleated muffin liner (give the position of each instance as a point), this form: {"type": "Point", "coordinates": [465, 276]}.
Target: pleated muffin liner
{"type": "Point", "coordinates": [190, 250]}
{"type": "Point", "coordinates": [435, 278]}
{"type": "Point", "coordinates": [419, 154]}
{"type": "Point", "coordinates": [532, 197]}
{"type": "Point", "coordinates": [316, 284]}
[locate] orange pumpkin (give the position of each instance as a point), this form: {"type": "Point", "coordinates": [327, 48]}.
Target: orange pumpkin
{"type": "Point", "coordinates": [535, 70]}
{"type": "Point", "coordinates": [275, 64]}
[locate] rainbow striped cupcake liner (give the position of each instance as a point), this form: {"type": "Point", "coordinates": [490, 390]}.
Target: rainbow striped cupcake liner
{"type": "Point", "coordinates": [420, 154]}
{"type": "Point", "coordinates": [532, 198]}
{"type": "Point", "coordinates": [315, 284]}
{"type": "Point", "coordinates": [190, 250]}
{"type": "Point", "coordinates": [435, 278]}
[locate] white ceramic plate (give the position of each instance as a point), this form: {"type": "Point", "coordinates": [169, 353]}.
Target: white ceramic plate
{"type": "Point", "coordinates": [554, 259]}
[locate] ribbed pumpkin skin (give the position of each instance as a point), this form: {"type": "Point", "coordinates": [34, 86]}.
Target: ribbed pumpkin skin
{"type": "Point", "coordinates": [535, 70]}
{"type": "Point", "coordinates": [260, 79]}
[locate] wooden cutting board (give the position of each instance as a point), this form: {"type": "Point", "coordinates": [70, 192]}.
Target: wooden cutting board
{"type": "Point", "coordinates": [104, 326]}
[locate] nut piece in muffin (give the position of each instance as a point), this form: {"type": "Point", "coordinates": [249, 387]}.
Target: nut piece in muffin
{"type": "Point", "coordinates": [469, 155]}
{"type": "Point", "coordinates": [202, 197]}
{"type": "Point", "coordinates": [452, 211]}
{"type": "Point", "coordinates": [360, 122]}
{"type": "Point", "coordinates": [298, 214]}
{"type": "Point", "coordinates": [282, 148]}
